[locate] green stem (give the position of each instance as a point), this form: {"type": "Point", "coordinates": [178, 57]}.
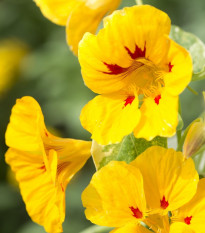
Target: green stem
{"type": "Point", "coordinates": [192, 90]}
{"type": "Point", "coordinates": [139, 2]}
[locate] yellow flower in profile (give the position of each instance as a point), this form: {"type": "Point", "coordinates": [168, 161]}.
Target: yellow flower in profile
{"type": "Point", "coordinates": [43, 164]}
{"type": "Point", "coordinates": [79, 16]}
{"type": "Point", "coordinates": [11, 53]}
{"type": "Point", "coordinates": [193, 213]}
{"type": "Point", "coordinates": [122, 196]}
{"type": "Point", "coordinates": [133, 60]}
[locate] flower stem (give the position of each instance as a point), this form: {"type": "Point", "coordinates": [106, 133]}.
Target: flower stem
{"type": "Point", "coordinates": [192, 90]}
{"type": "Point", "coordinates": [139, 2]}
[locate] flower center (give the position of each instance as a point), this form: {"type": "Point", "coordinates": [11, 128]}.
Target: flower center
{"type": "Point", "coordinates": [146, 78]}
{"type": "Point", "coordinates": [136, 212]}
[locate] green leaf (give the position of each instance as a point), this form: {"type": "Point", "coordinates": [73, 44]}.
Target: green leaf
{"type": "Point", "coordinates": [97, 229]}
{"type": "Point", "coordinates": [196, 48]}
{"type": "Point", "coordinates": [127, 150]}
{"type": "Point", "coordinates": [199, 76]}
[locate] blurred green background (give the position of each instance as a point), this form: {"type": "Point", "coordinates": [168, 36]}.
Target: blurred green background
{"type": "Point", "coordinates": [51, 74]}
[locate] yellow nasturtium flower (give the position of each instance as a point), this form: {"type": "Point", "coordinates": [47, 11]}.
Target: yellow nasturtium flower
{"type": "Point", "coordinates": [79, 16]}
{"type": "Point", "coordinates": [193, 213]}
{"type": "Point", "coordinates": [123, 195]}
{"type": "Point", "coordinates": [139, 72]}
{"type": "Point", "coordinates": [11, 55]}
{"type": "Point", "coordinates": [43, 164]}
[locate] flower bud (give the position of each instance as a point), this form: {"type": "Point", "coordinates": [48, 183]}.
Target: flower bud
{"type": "Point", "coordinates": [195, 138]}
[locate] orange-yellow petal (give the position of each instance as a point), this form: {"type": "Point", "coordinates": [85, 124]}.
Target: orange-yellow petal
{"type": "Point", "coordinates": [115, 196]}
{"type": "Point", "coordinates": [180, 69]}
{"type": "Point", "coordinates": [57, 11]}
{"type": "Point", "coordinates": [108, 59]}
{"type": "Point", "coordinates": [193, 213]}
{"type": "Point", "coordinates": [170, 181]}
{"type": "Point", "coordinates": [44, 201]}
{"type": "Point", "coordinates": [110, 117]}
{"type": "Point", "coordinates": [159, 117]}
{"type": "Point", "coordinates": [131, 228]}
{"type": "Point", "coordinates": [85, 18]}
{"type": "Point", "coordinates": [26, 123]}
{"type": "Point", "coordinates": [181, 228]}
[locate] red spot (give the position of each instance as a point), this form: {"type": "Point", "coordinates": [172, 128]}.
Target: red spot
{"type": "Point", "coordinates": [164, 203]}
{"type": "Point", "coordinates": [137, 53]}
{"type": "Point", "coordinates": [136, 212]}
{"type": "Point", "coordinates": [157, 98]}
{"type": "Point", "coordinates": [170, 67]}
{"type": "Point", "coordinates": [43, 168]}
{"type": "Point", "coordinates": [129, 100]}
{"type": "Point", "coordinates": [114, 69]}
{"type": "Point", "coordinates": [187, 220]}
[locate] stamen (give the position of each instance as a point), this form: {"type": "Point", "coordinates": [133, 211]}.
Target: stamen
{"type": "Point", "coordinates": [170, 67]}
{"type": "Point", "coordinates": [164, 203]}
{"type": "Point", "coordinates": [129, 100]}
{"type": "Point", "coordinates": [157, 98]}
{"type": "Point", "coordinates": [136, 212]}
{"type": "Point", "coordinates": [114, 69]}
{"type": "Point", "coordinates": [187, 220]}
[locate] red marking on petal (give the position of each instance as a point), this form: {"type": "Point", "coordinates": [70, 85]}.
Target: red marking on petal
{"type": "Point", "coordinates": [46, 134]}
{"type": "Point", "coordinates": [164, 203]}
{"type": "Point", "coordinates": [137, 53]}
{"type": "Point", "coordinates": [170, 67]}
{"type": "Point", "coordinates": [136, 212]}
{"type": "Point", "coordinates": [129, 100]}
{"type": "Point", "coordinates": [187, 220]}
{"type": "Point", "coordinates": [62, 187]}
{"type": "Point", "coordinates": [114, 69]}
{"type": "Point", "coordinates": [157, 98]}
{"type": "Point", "coordinates": [43, 168]}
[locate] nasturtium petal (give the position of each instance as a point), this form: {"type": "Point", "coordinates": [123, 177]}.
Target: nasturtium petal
{"type": "Point", "coordinates": [170, 181]}
{"type": "Point", "coordinates": [195, 47]}
{"type": "Point", "coordinates": [114, 194]}
{"type": "Point", "coordinates": [26, 123]}
{"type": "Point", "coordinates": [193, 213]}
{"type": "Point", "coordinates": [181, 228]}
{"type": "Point", "coordinates": [44, 201]}
{"type": "Point", "coordinates": [110, 117]}
{"type": "Point", "coordinates": [131, 228]}
{"type": "Point", "coordinates": [57, 11]}
{"type": "Point", "coordinates": [180, 71]}
{"type": "Point", "coordinates": [108, 59]}
{"type": "Point", "coordinates": [43, 164]}
{"type": "Point", "coordinates": [159, 118]}
{"type": "Point", "coordinates": [86, 18]}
